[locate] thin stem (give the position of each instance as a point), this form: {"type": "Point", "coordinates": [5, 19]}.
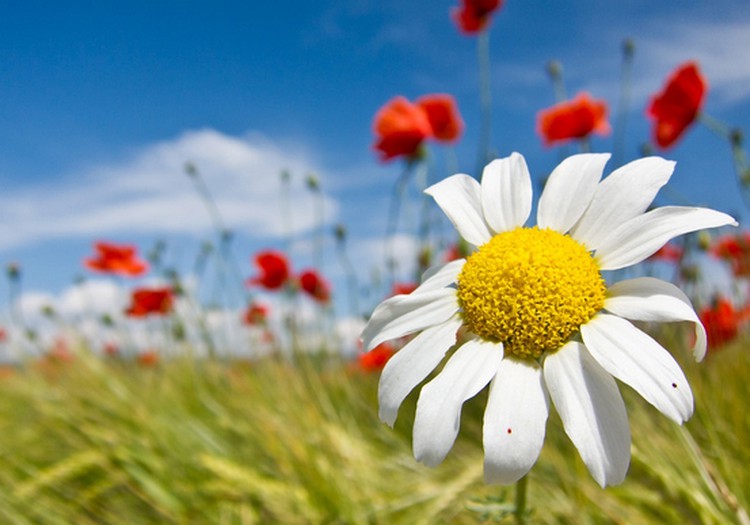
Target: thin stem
{"type": "Point", "coordinates": [715, 125]}
{"type": "Point", "coordinates": [485, 99]}
{"type": "Point", "coordinates": [520, 511]}
{"type": "Point", "coordinates": [394, 207]}
{"type": "Point", "coordinates": [624, 103]}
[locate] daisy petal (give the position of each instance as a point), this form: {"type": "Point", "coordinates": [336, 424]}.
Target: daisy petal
{"type": "Point", "coordinates": [649, 299]}
{"type": "Point", "coordinates": [643, 235]}
{"type": "Point", "coordinates": [514, 421]}
{"type": "Point", "coordinates": [637, 360]}
{"type": "Point", "coordinates": [592, 411]}
{"type": "Point", "coordinates": [626, 193]}
{"type": "Point", "coordinates": [405, 314]}
{"type": "Point", "coordinates": [506, 193]}
{"type": "Point", "coordinates": [409, 366]}
{"type": "Point", "coordinates": [459, 197]}
{"type": "Point", "coordinates": [440, 276]}
{"type": "Point", "coordinates": [569, 190]}
{"type": "Point", "coordinates": [439, 406]}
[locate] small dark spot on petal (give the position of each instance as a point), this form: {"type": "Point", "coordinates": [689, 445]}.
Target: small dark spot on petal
{"type": "Point", "coordinates": [674, 385]}
{"type": "Point", "coordinates": [510, 431]}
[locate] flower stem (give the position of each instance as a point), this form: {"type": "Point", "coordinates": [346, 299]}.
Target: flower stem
{"type": "Point", "coordinates": [520, 511]}
{"type": "Point", "coordinates": [485, 99]}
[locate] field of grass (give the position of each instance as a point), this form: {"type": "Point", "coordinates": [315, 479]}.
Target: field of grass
{"type": "Point", "coordinates": [97, 441]}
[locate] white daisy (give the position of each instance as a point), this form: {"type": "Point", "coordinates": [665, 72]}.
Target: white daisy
{"type": "Point", "coordinates": [542, 323]}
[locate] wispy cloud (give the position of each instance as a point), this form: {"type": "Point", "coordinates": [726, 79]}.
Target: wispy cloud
{"type": "Point", "coordinates": [150, 192]}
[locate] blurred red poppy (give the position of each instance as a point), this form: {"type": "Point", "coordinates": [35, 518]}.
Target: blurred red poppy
{"type": "Point", "coordinates": [148, 358]}
{"type": "Point", "coordinates": [255, 314]}
{"type": "Point", "coordinates": [375, 359]}
{"type": "Point", "coordinates": [677, 105]}
{"type": "Point", "coordinates": [668, 253]}
{"type": "Point", "coordinates": [400, 127]}
{"type": "Point", "coordinates": [443, 116]}
{"type": "Point", "coordinates": [573, 119]}
{"type": "Point", "coordinates": [119, 259]}
{"type": "Point", "coordinates": [145, 301]}
{"type": "Point", "coordinates": [735, 249]}
{"type": "Point", "coordinates": [474, 15]}
{"type": "Point", "coordinates": [403, 288]}
{"type": "Point", "coordinates": [3, 335]}
{"type": "Point", "coordinates": [315, 286]}
{"type": "Point", "coordinates": [722, 322]}
{"type": "Point", "coordinates": [274, 270]}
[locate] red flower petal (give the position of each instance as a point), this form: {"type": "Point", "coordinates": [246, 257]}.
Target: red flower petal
{"type": "Point", "coordinates": [675, 108]}
{"type": "Point", "coordinates": [573, 119]}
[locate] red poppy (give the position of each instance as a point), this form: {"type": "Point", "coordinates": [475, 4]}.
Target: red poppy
{"type": "Point", "coordinates": [573, 119]}
{"type": "Point", "coordinates": [735, 249]}
{"type": "Point", "coordinates": [148, 358]}
{"type": "Point", "coordinates": [403, 288]}
{"type": "Point", "coordinates": [474, 15]}
{"type": "Point", "coordinates": [111, 349]}
{"type": "Point", "coordinates": [255, 314]}
{"type": "Point", "coordinates": [443, 116]}
{"type": "Point", "coordinates": [400, 128]}
{"type": "Point", "coordinates": [722, 322]}
{"type": "Point", "coordinates": [677, 105]}
{"type": "Point", "coordinates": [315, 286]}
{"type": "Point", "coordinates": [3, 335]}
{"type": "Point", "coordinates": [375, 359]}
{"type": "Point", "coordinates": [145, 301]}
{"type": "Point", "coordinates": [121, 259]}
{"type": "Point", "coordinates": [668, 253]}
{"type": "Point", "coordinates": [274, 270]}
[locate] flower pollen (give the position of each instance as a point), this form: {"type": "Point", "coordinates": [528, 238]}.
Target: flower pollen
{"type": "Point", "coordinates": [530, 289]}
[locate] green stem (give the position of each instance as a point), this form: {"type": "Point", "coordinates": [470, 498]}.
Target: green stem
{"type": "Point", "coordinates": [394, 207]}
{"type": "Point", "coordinates": [520, 511]}
{"type": "Point", "coordinates": [485, 99]}
{"type": "Point", "coordinates": [624, 103]}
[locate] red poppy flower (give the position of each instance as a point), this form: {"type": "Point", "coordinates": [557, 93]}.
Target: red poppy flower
{"type": "Point", "coordinates": [443, 116]}
{"type": "Point", "coordinates": [573, 119]}
{"type": "Point", "coordinates": [315, 286]}
{"type": "Point", "coordinates": [403, 288]}
{"type": "Point", "coordinates": [735, 249]}
{"type": "Point", "coordinates": [474, 15]}
{"type": "Point", "coordinates": [677, 105]}
{"type": "Point", "coordinates": [274, 270]}
{"type": "Point", "coordinates": [255, 314]}
{"type": "Point", "coordinates": [668, 253]}
{"type": "Point", "coordinates": [3, 335]}
{"type": "Point", "coordinates": [148, 358]}
{"type": "Point", "coordinates": [722, 322]}
{"type": "Point", "coordinates": [145, 301]}
{"type": "Point", "coordinates": [400, 128]}
{"type": "Point", "coordinates": [115, 258]}
{"type": "Point", "coordinates": [375, 359]}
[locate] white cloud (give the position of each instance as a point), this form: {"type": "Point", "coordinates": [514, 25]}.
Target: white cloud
{"type": "Point", "coordinates": [150, 192]}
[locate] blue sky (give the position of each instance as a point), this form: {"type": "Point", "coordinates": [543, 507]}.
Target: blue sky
{"type": "Point", "coordinates": [102, 103]}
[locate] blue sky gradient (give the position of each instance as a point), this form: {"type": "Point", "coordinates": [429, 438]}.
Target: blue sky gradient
{"type": "Point", "coordinates": [102, 103]}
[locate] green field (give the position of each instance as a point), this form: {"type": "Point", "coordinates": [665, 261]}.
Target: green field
{"type": "Point", "coordinates": [96, 441]}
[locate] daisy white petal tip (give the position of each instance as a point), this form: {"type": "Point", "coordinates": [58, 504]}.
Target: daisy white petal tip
{"type": "Point", "coordinates": [514, 421]}
{"type": "Point", "coordinates": [650, 299]}
{"type": "Point", "coordinates": [637, 360]}
{"type": "Point", "coordinates": [506, 193]}
{"type": "Point", "coordinates": [592, 411]}
{"type": "Point", "coordinates": [459, 196]}
{"type": "Point", "coordinates": [438, 415]}
{"type": "Point", "coordinates": [626, 193]}
{"type": "Point", "coordinates": [641, 236]}
{"type": "Point", "coordinates": [569, 190]}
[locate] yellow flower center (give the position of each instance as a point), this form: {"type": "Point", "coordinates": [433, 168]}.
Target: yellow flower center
{"type": "Point", "coordinates": [530, 289]}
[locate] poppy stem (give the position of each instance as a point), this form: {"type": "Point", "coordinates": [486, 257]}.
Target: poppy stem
{"type": "Point", "coordinates": [394, 207]}
{"type": "Point", "coordinates": [485, 99]}
{"type": "Point", "coordinates": [628, 49]}
{"type": "Point", "coordinates": [520, 511]}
